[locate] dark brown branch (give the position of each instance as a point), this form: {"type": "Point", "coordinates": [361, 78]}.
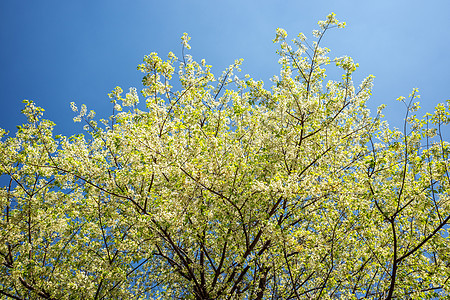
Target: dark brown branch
{"type": "Point", "coordinates": [10, 295]}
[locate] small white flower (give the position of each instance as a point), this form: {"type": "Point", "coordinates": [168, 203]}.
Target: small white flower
{"type": "Point", "coordinates": [83, 110]}
{"type": "Point", "coordinates": [185, 41]}
{"type": "Point", "coordinates": [281, 34]}
{"type": "Point", "coordinates": [91, 114]}
{"type": "Point", "coordinates": [73, 106]}
{"type": "Point", "coordinates": [131, 97]}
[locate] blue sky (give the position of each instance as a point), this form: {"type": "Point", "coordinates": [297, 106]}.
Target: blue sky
{"type": "Point", "coordinates": [54, 52]}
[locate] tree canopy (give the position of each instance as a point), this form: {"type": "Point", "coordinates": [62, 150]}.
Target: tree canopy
{"type": "Point", "coordinates": [223, 189]}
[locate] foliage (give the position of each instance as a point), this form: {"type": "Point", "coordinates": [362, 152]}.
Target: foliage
{"type": "Point", "coordinates": [223, 189]}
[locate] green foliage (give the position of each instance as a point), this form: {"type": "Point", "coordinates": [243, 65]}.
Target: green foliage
{"type": "Point", "coordinates": [226, 190]}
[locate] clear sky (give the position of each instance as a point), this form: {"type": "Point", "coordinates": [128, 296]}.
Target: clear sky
{"type": "Point", "coordinates": [54, 52]}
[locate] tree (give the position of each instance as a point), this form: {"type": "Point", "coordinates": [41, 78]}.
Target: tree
{"type": "Point", "coordinates": [226, 190]}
